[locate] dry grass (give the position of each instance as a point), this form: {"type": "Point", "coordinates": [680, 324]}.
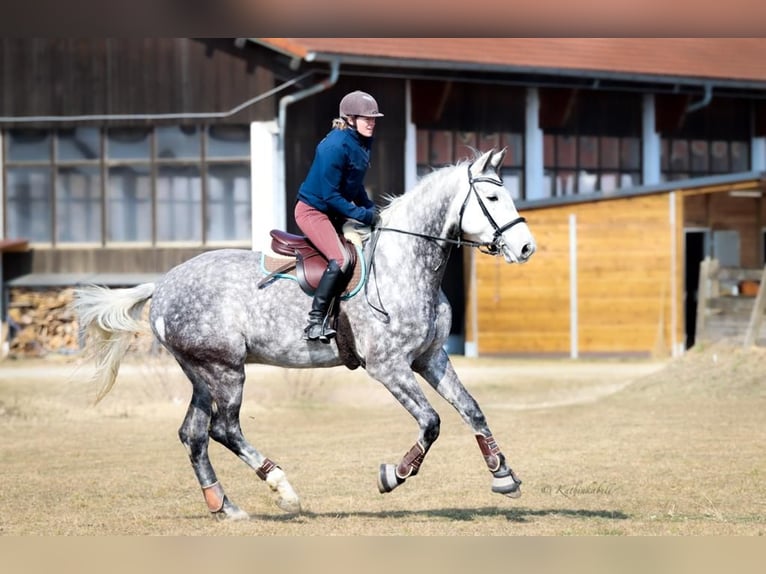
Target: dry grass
{"type": "Point", "coordinates": [603, 447]}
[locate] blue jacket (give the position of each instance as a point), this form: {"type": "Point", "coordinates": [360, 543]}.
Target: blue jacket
{"type": "Point", "coordinates": [335, 182]}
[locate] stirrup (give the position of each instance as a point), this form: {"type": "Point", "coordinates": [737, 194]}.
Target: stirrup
{"type": "Point", "coordinates": [319, 331]}
{"type": "Point", "coordinates": [313, 332]}
{"type": "Point", "coordinates": [328, 333]}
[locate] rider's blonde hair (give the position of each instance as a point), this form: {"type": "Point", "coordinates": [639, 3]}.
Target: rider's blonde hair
{"type": "Point", "coordinates": [339, 124]}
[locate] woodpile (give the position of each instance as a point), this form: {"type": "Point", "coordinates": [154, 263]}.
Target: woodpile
{"type": "Point", "coordinates": [42, 322]}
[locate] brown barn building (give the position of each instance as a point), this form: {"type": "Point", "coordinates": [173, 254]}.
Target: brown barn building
{"type": "Point", "coordinates": [632, 158]}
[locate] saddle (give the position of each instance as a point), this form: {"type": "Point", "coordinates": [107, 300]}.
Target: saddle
{"type": "Point", "coordinates": [308, 262]}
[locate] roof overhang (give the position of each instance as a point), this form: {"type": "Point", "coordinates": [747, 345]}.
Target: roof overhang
{"type": "Point", "coordinates": [506, 74]}
{"type": "Point", "coordinates": [727, 183]}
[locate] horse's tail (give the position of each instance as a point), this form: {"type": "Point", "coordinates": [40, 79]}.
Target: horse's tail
{"type": "Point", "coordinates": [109, 318]}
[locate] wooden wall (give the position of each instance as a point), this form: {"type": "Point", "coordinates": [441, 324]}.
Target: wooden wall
{"type": "Point", "coordinates": [629, 282]}
{"type": "Point", "coordinates": [110, 260]}
{"type": "Point", "coordinates": [72, 76]}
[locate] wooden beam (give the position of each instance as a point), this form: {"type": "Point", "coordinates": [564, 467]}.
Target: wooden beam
{"type": "Point", "coordinates": [748, 185]}
{"type": "Point", "coordinates": [703, 294]}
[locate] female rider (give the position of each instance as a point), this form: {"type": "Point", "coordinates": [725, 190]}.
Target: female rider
{"type": "Point", "coordinates": [332, 192]}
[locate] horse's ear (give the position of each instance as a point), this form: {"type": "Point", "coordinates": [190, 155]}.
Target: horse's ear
{"type": "Point", "coordinates": [497, 159]}
{"type": "Point", "coordinates": [479, 166]}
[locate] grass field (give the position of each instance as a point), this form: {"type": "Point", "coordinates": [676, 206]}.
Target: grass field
{"type": "Point", "coordinates": [604, 448]}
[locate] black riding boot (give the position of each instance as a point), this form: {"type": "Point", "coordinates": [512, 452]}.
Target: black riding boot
{"type": "Point", "coordinates": [319, 322]}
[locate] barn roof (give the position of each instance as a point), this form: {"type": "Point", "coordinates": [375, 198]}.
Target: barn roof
{"type": "Point", "coordinates": [745, 184]}
{"type": "Point", "coordinates": [730, 61]}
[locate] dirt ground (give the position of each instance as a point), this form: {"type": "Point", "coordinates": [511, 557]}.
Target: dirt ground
{"type": "Point", "coordinates": [604, 447]}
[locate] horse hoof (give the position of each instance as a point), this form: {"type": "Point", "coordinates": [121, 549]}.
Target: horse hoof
{"type": "Point", "coordinates": [512, 494]}
{"type": "Point", "coordinates": [387, 479]}
{"type": "Point", "coordinates": [230, 511]}
{"type": "Point", "coordinates": [289, 506]}
{"type": "Point", "coordinates": [238, 514]}
{"type": "Point", "coordinates": [507, 485]}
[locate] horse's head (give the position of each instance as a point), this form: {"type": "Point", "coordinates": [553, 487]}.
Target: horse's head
{"type": "Point", "coordinates": [488, 214]}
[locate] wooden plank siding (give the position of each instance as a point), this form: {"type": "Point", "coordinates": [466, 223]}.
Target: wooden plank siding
{"type": "Point", "coordinates": [121, 76]}
{"type": "Point", "coordinates": [111, 260]}
{"type": "Point", "coordinates": [625, 262]}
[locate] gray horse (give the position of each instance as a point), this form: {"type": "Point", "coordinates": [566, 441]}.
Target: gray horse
{"type": "Point", "coordinates": [212, 315]}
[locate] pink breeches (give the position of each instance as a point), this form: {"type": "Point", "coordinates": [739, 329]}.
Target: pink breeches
{"type": "Point", "coordinates": [319, 229]}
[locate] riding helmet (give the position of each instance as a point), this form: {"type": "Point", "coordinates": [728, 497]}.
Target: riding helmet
{"type": "Point", "coordinates": [359, 103]}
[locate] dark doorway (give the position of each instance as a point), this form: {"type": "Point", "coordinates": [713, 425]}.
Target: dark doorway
{"type": "Point", "coordinates": [695, 253]}
{"type": "Point", "coordinates": [763, 247]}
{"type": "Point", "coordinates": [452, 285]}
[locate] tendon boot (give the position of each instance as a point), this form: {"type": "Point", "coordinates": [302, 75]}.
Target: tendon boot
{"type": "Point", "coordinates": [319, 326]}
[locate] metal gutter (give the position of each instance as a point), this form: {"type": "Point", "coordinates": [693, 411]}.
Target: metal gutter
{"type": "Point", "coordinates": [174, 116]}
{"type": "Point", "coordinates": [705, 101]}
{"type": "Point", "coordinates": [290, 99]}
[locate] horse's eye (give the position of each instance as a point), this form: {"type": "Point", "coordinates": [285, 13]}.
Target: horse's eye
{"type": "Point", "coordinates": [492, 198]}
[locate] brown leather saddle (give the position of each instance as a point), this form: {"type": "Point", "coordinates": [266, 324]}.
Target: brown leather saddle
{"type": "Point", "coordinates": [307, 262]}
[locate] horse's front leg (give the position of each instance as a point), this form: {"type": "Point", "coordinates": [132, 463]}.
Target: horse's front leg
{"type": "Point", "coordinates": [438, 371]}
{"type": "Point", "coordinates": [399, 380]}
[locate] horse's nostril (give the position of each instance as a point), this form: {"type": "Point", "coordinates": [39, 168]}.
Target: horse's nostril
{"type": "Point", "coordinates": [527, 250]}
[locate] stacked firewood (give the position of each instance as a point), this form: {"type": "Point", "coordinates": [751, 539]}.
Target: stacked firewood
{"type": "Point", "coordinates": [43, 322]}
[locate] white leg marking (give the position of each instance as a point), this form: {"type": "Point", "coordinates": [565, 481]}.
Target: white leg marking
{"type": "Point", "coordinates": [288, 499]}
{"type": "Point", "coordinates": [159, 326]}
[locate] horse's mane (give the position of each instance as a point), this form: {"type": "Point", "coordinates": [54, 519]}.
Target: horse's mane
{"type": "Point", "coordinates": [425, 184]}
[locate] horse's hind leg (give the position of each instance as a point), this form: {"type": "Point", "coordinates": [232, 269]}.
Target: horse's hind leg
{"type": "Point", "coordinates": [225, 429]}
{"type": "Point", "coordinates": [214, 412]}
{"type": "Point", "coordinates": [194, 435]}
{"type": "Point", "coordinates": [438, 371]}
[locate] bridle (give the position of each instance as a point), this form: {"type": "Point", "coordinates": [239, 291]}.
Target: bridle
{"type": "Point", "coordinates": [490, 248]}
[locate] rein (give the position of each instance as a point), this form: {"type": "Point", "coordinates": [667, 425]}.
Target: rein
{"type": "Point", "coordinates": [490, 248]}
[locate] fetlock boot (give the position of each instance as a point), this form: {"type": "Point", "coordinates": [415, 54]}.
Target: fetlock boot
{"type": "Point", "coordinates": [319, 326]}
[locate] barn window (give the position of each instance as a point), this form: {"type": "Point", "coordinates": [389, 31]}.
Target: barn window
{"type": "Point", "coordinates": [179, 203]}
{"type": "Point", "coordinates": [580, 164]}
{"type": "Point", "coordinates": [148, 185]}
{"type": "Point", "coordinates": [78, 145]}
{"type": "Point", "coordinates": [29, 205]}
{"type": "Point", "coordinates": [129, 204]}
{"type": "Point", "coordinates": [439, 148]}
{"type": "Point", "coordinates": [228, 202]}
{"type": "Point", "coordinates": [687, 158]}
{"type": "Point", "coordinates": [78, 204]}
{"type": "Point", "coordinates": [128, 144]}
{"type": "Point", "coordinates": [178, 142]}
{"type": "Point", "coordinates": [28, 146]}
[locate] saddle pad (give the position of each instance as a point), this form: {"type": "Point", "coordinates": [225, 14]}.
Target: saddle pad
{"type": "Point", "coordinates": [271, 263]}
